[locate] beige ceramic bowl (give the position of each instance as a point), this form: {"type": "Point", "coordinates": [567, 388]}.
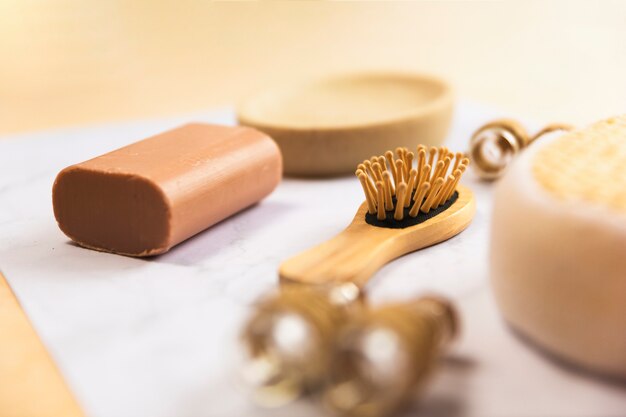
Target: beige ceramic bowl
{"type": "Point", "coordinates": [326, 127]}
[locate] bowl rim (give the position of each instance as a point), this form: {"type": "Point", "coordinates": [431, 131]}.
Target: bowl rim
{"type": "Point", "coordinates": [442, 101]}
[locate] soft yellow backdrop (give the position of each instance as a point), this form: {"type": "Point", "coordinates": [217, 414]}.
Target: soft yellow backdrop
{"type": "Point", "coordinates": [74, 62]}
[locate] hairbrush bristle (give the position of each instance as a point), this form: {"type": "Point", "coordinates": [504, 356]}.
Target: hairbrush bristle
{"type": "Point", "coordinates": [421, 181]}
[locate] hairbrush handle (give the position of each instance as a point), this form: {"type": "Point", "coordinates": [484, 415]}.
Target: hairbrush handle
{"type": "Point", "coordinates": [356, 253]}
{"type": "Point", "coordinates": [353, 255]}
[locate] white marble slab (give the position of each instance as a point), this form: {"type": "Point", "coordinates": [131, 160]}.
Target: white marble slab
{"type": "Point", "coordinates": [158, 337]}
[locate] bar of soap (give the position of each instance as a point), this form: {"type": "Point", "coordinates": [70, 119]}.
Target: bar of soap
{"type": "Point", "coordinates": [558, 246]}
{"type": "Point", "coordinates": [144, 198]}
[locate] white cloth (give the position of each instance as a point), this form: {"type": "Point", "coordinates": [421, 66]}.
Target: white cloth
{"type": "Point", "coordinates": [159, 337]}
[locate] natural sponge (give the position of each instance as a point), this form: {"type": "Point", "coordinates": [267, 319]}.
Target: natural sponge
{"type": "Point", "coordinates": [558, 246]}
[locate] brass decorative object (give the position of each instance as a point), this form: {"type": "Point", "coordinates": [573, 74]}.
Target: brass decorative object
{"type": "Point", "coordinates": [358, 361]}
{"type": "Point", "coordinates": [384, 355]}
{"type": "Point", "coordinates": [494, 145]}
{"type": "Point", "coordinates": [290, 339]}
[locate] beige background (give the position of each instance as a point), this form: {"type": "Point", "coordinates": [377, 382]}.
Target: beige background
{"type": "Point", "coordinates": [66, 63]}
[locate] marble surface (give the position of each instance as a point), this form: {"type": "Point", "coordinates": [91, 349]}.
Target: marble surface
{"type": "Point", "coordinates": [159, 337]}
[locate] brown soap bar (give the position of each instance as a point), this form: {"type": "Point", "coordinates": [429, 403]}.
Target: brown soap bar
{"type": "Point", "coordinates": [146, 197]}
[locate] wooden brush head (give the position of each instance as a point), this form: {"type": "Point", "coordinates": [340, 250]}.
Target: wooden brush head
{"type": "Point", "coordinates": [402, 214]}
{"type": "Point", "coordinates": [407, 188]}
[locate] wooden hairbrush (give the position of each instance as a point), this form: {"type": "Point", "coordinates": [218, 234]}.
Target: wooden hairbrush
{"type": "Point", "coordinates": [412, 200]}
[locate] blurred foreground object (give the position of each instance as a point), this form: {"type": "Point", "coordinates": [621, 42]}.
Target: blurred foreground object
{"type": "Point", "coordinates": [494, 145]}
{"type": "Point", "coordinates": [558, 242]}
{"type": "Point", "coordinates": [384, 355]}
{"type": "Point", "coordinates": [30, 382]}
{"type": "Point", "coordinates": [366, 363]}
{"type": "Point", "coordinates": [289, 339]}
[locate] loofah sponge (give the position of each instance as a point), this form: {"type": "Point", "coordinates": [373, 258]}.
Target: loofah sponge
{"type": "Point", "coordinates": [558, 246]}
